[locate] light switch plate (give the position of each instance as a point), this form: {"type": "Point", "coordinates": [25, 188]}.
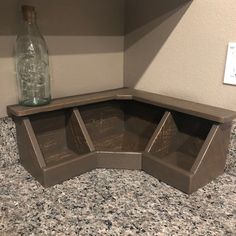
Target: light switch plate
{"type": "Point", "coordinates": [230, 69]}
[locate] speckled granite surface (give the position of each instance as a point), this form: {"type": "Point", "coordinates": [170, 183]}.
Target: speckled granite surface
{"type": "Point", "coordinates": [111, 202]}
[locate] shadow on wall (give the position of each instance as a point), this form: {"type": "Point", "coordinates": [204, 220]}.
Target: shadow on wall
{"type": "Point", "coordinates": [69, 26]}
{"type": "Point", "coordinates": [67, 17]}
{"type": "Point", "coordinates": [94, 26]}
{"type": "Point", "coordinates": [142, 42]}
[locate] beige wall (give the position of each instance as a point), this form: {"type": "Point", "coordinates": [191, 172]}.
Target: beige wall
{"type": "Point", "coordinates": [71, 74]}
{"type": "Point", "coordinates": [178, 49]}
{"type": "Point", "coordinates": [183, 55]}
{"type": "Point", "coordinates": [85, 41]}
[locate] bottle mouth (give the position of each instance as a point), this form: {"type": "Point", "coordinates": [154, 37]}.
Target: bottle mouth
{"type": "Point", "coordinates": [29, 13]}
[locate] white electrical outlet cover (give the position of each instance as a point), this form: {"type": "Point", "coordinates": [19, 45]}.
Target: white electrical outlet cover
{"type": "Point", "coordinates": [230, 69]}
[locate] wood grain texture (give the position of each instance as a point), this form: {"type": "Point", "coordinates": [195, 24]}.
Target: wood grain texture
{"type": "Point", "coordinates": [83, 129]}
{"type": "Point", "coordinates": [141, 118]}
{"type": "Point", "coordinates": [104, 122]}
{"type": "Point", "coordinates": [76, 140]}
{"type": "Point", "coordinates": [204, 111]}
{"type": "Point", "coordinates": [120, 125]}
{"type": "Point", "coordinates": [180, 139]}
{"type": "Point", "coordinates": [59, 136]}
{"type": "Point", "coordinates": [156, 133]}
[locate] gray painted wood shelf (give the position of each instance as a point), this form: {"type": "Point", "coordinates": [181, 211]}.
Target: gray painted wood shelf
{"type": "Point", "coordinates": [179, 142]}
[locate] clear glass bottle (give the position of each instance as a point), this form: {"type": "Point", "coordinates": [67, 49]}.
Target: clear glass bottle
{"type": "Point", "coordinates": [32, 63]}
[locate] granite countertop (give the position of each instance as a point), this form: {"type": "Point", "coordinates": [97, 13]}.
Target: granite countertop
{"type": "Point", "coordinates": [111, 202]}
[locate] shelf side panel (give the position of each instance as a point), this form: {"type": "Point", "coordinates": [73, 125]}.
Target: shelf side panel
{"type": "Point", "coordinates": [211, 160]}
{"type": "Point", "coordinates": [30, 154]}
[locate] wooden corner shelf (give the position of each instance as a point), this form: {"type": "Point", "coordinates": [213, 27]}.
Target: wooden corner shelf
{"type": "Point", "coordinates": [179, 142]}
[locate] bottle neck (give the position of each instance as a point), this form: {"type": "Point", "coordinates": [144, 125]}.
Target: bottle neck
{"type": "Point", "coordinates": [29, 25]}
{"type": "Point", "coordinates": [29, 28]}
{"type": "Point", "coordinates": [30, 21]}
{"type": "Point", "coordinates": [29, 14]}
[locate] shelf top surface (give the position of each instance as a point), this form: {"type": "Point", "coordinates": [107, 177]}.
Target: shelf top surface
{"type": "Point", "coordinates": [170, 103]}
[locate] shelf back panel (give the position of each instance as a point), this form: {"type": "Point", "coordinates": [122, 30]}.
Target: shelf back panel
{"type": "Point", "coordinates": [121, 125]}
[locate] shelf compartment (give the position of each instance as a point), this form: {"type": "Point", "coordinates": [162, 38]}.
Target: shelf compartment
{"type": "Point", "coordinates": [55, 140]}
{"type": "Point", "coordinates": [59, 136]}
{"type": "Point", "coordinates": [186, 151]}
{"type": "Point", "coordinates": [120, 126]}
{"type": "Point", "coordinates": [181, 139]}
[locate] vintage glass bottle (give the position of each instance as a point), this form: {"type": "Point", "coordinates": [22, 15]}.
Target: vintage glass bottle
{"type": "Point", "coordinates": [32, 63]}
